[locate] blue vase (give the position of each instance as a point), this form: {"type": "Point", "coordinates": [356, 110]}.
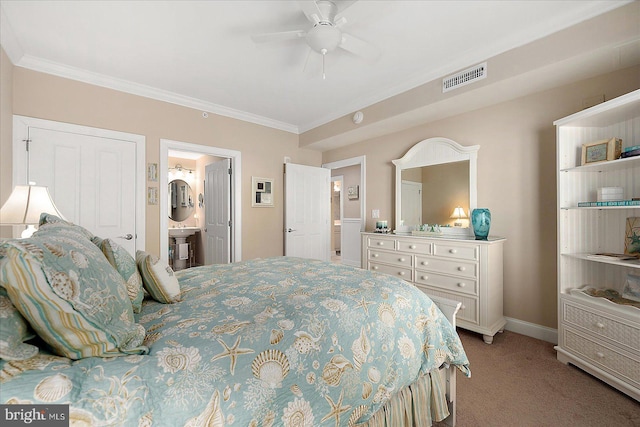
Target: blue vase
{"type": "Point", "coordinates": [481, 222]}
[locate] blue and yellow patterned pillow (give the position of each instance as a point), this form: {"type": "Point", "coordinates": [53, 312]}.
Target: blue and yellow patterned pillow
{"type": "Point", "coordinates": [158, 278]}
{"type": "Point", "coordinates": [14, 330]}
{"type": "Point", "coordinates": [122, 261]}
{"type": "Point", "coordinates": [70, 294]}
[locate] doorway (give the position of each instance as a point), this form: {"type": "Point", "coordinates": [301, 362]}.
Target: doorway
{"type": "Point", "coordinates": [337, 194]}
{"type": "Point", "coordinates": [236, 188]}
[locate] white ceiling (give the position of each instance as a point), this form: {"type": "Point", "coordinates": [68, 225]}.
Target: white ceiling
{"type": "Point", "coordinates": [200, 54]}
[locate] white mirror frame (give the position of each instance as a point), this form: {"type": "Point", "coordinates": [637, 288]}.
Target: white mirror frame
{"type": "Point", "coordinates": [436, 151]}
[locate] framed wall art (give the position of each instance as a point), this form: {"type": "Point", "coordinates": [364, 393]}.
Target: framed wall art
{"type": "Point", "coordinates": [601, 151]}
{"type": "Point", "coordinates": [262, 192]}
{"type": "Point", "coordinates": [353, 192]}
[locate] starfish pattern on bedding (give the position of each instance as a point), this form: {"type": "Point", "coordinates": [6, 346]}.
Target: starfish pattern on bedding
{"type": "Point", "coordinates": [231, 352]}
{"type": "Point", "coordinates": [364, 304]}
{"type": "Point", "coordinates": [336, 408]}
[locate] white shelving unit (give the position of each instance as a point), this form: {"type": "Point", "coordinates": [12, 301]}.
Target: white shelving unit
{"type": "Point", "coordinates": [594, 334]}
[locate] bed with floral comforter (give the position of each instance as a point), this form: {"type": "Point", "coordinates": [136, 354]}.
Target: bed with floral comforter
{"type": "Point", "coordinates": [277, 341]}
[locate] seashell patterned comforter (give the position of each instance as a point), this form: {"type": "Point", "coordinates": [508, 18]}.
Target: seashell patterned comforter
{"type": "Point", "coordinates": [266, 342]}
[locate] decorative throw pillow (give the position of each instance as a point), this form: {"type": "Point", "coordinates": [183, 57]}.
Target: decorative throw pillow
{"type": "Point", "coordinates": [158, 278]}
{"type": "Point", "coordinates": [48, 221]}
{"type": "Point", "coordinates": [122, 261]}
{"type": "Point", "coordinates": [14, 330]}
{"type": "Point", "coordinates": [72, 297]}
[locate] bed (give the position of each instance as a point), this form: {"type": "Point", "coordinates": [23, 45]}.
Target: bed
{"type": "Point", "coordinates": [264, 342]}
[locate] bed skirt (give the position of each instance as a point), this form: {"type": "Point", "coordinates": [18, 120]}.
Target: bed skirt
{"type": "Point", "coordinates": [419, 404]}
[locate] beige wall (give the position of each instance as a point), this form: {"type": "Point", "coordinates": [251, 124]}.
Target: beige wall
{"type": "Point", "coordinates": [516, 180]}
{"type": "Point", "coordinates": [350, 177]}
{"type": "Point", "coordinates": [6, 130]}
{"type": "Point", "coordinates": [263, 149]}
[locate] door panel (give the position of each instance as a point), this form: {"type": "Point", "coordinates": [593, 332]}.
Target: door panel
{"type": "Point", "coordinates": [91, 180]}
{"type": "Point", "coordinates": [218, 212]}
{"type": "Point", "coordinates": [307, 211]}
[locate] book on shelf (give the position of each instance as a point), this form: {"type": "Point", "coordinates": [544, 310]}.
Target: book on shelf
{"type": "Point", "coordinates": [610, 203]}
{"type": "Point", "coordinates": [632, 148]}
{"type": "Point", "coordinates": [612, 256]}
{"type": "Point", "coordinates": [631, 153]}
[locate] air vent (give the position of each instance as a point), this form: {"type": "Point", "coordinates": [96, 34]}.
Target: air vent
{"type": "Point", "coordinates": [465, 77]}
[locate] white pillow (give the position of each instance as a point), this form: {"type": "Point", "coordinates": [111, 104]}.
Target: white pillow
{"type": "Point", "coordinates": [158, 278]}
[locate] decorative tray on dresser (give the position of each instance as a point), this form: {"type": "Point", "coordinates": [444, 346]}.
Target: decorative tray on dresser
{"type": "Point", "coordinates": [461, 269]}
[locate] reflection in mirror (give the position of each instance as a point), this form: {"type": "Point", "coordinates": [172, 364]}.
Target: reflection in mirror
{"type": "Point", "coordinates": [180, 200]}
{"type": "Point", "coordinates": [433, 178]}
{"type": "Point", "coordinates": [433, 192]}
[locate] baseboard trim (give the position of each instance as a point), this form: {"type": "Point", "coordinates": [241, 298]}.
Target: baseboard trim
{"type": "Point", "coordinates": [532, 330]}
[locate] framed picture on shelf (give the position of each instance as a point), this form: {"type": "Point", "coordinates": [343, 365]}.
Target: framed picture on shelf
{"type": "Point", "coordinates": [601, 151]}
{"type": "Point", "coordinates": [632, 236]}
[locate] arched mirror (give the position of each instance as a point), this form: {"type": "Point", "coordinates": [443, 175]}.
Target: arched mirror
{"type": "Point", "coordinates": [180, 200]}
{"type": "Point", "coordinates": [433, 178]}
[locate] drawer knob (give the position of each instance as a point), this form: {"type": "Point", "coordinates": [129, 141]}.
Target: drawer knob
{"type": "Point", "coordinates": [462, 284]}
{"type": "Point", "coordinates": [425, 262]}
{"type": "Point", "coordinates": [381, 243]}
{"type": "Point", "coordinates": [600, 355]}
{"type": "Point", "coordinates": [462, 268]}
{"type": "Point", "coordinates": [375, 255]}
{"type": "Point", "coordinates": [375, 267]}
{"type": "Point", "coordinates": [401, 259]}
{"type": "Point", "coordinates": [424, 277]}
{"type": "Point", "coordinates": [401, 273]}
{"type": "Point", "coordinates": [453, 251]}
{"type": "Point", "coordinates": [412, 247]}
{"type": "Point", "coordinates": [462, 307]}
{"type": "Point", "coordinates": [600, 325]}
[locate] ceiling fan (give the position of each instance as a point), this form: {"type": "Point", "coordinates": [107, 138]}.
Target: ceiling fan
{"type": "Point", "coordinates": [326, 34]}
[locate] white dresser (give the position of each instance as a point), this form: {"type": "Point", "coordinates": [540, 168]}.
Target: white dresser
{"type": "Point", "coordinates": [461, 269]}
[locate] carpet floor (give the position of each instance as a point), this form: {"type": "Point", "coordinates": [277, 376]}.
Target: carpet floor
{"type": "Point", "coordinates": [517, 381]}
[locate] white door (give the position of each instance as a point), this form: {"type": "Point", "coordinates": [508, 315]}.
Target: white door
{"type": "Point", "coordinates": [307, 212]}
{"type": "Point", "coordinates": [217, 212]}
{"type": "Point", "coordinates": [411, 203]}
{"type": "Point", "coordinates": [92, 180]}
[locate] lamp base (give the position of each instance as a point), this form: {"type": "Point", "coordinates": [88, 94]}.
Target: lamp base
{"type": "Point", "coordinates": [28, 232]}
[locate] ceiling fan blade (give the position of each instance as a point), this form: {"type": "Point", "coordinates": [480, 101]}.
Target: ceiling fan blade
{"type": "Point", "coordinates": [359, 47]}
{"type": "Point", "coordinates": [279, 36]}
{"type": "Point", "coordinates": [311, 10]}
{"type": "Point", "coordinates": [343, 4]}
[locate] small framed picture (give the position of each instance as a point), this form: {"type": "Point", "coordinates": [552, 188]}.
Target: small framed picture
{"type": "Point", "coordinates": [262, 192]}
{"type": "Point", "coordinates": [152, 195]}
{"type": "Point", "coordinates": [352, 192]}
{"type": "Point", "coordinates": [152, 172]}
{"type": "Point", "coordinates": [601, 151]}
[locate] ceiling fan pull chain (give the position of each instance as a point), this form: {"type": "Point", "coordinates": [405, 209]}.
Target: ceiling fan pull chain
{"type": "Point", "coordinates": [324, 53]}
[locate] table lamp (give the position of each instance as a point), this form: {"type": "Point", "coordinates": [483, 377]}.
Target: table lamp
{"type": "Point", "coordinates": [24, 206]}
{"type": "Point", "coordinates": [458, 214]}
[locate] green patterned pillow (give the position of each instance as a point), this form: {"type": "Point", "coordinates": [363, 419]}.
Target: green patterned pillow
{"type": "Point", "coordinates": [122, 261]}
{"type": "Point", "coordinates": [50, 222]}
{"type": "Point", "coordinates": [14, 330]}
{"type": "Point", "coordinates": [70, 294]}
{"type": "Point", "coordinates": [158, 278]}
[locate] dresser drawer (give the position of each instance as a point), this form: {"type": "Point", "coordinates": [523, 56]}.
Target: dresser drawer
{"type": "Point", "coordinates": [403, 273]}
{"type": "Point", "coordinates": [606, 358]}
{"type": "Point", "coordinates": [455, 284]}
{"type": "Point", "coordinates": [602, 325]}
{"type": "Point", "coordinates": [394, 258]}
{"type": "Point", "coordinates": [458, 268]}
{"type": "Point", "coordinates": [469, 309]}
{"type": "Point", "coordinates": [451, 250]}
{"type": "Point", "coordinates": [381, 242]}
{"type": "Point", "coordinates": [415, 247]}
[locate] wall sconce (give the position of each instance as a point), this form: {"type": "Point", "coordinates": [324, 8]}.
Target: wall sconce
{"type": "Point", "coordinates": [458, 214]}
{"type": "Point", "coordinates": [24, 206]}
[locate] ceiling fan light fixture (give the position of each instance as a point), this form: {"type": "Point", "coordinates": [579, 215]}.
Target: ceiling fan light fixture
{"type": "Point", "coordinates": [324, 36]}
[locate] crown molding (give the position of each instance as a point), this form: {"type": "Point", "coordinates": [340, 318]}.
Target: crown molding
{"type": "Point", "coordinates": [97, 79]}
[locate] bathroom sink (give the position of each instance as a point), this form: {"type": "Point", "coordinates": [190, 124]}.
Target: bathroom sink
{"type": "Point", "coordinates": [183, 231]}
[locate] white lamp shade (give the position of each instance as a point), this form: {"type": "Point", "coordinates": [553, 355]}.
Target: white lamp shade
{"type": "Point", "coordinates": [458, 213]}
{"type": "Point", "coordinates": [25, 204]}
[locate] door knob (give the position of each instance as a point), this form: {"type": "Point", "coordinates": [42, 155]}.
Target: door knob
{"type": "Point", "coordinates": [289, 230]}
{"type": "Point", "coordinates": [126, 236]}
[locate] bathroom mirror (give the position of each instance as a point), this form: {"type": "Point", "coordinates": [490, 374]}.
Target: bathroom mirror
{"type": "Point", "coordinates": [180, 200]}
{"type": "Point", "coordinates": [433, 178]}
